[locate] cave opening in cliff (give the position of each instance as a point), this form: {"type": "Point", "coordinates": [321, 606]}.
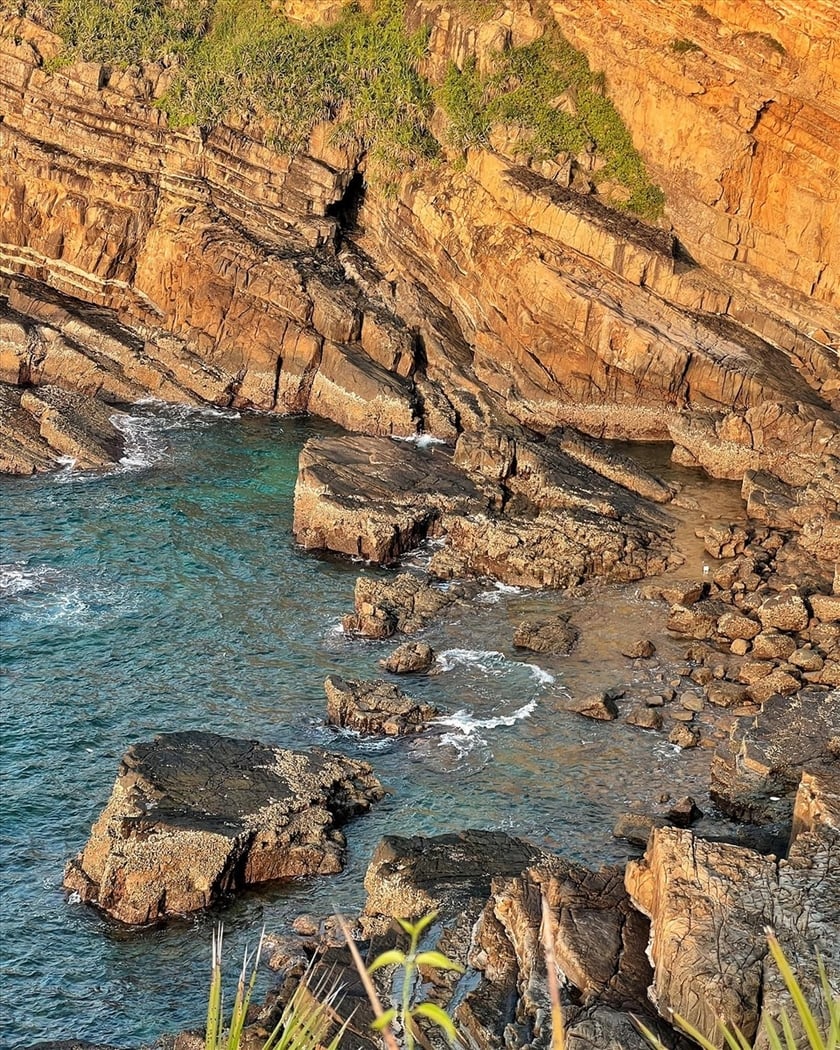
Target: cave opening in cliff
{"type": "Point", "coordinates": [346, 209]}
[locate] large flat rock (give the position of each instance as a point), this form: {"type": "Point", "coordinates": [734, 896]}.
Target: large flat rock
{"type": "Point", "coordinates": [193, 816]}
{"type": "Point", "coordinates": [528, 512]}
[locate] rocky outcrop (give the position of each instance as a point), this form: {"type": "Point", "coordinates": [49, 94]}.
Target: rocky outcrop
{"type": "Point", "coordinates": [194, 816]}
{"type": "Point", "coordinates": [45, 426]}
{"type": "Point", "coordinates": [408, 877]}
{"type": "Point", "coordinates": [540, 518]}
{"type": "Point", "coordinates": [546, 636]}
{"type": "Point", "coordinates": [403, 604]}
{"type": "Point", "coordinates": [374, 708]}
{"type": "Point", "coordinates": [682, 928]}
{"type": "Point", "coordinates": [376, 498]}
{"type": "Point", "coordinates": [410, 658]}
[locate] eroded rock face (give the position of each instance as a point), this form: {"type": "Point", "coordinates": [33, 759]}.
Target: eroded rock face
{"type": "Point", "coordinates": [408, 877]}
{"type": "Point", "coordinates": [42, 427]}
{"type": "Point", "coordinates": [375, 498]}
{"type": "Point", "coordinates": [709, 904]}
{"type": "Point", "coordinates": [755, 774]}
{"type": "Point", "coordinates": [404, 604]}
{"type": "Point", "coordinates": [374, 708]}
{"type": "Point", "coordinates": [706, 942]}
{"type": "Point", "coordinates": [194, 816]}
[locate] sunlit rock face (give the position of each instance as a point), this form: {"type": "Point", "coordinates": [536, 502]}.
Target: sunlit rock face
{"type": "Point", "coordinates": [204, 266]}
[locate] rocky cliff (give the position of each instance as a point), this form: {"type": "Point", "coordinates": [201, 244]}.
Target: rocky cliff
{"type": "Point", "coordinates": [492, 287]}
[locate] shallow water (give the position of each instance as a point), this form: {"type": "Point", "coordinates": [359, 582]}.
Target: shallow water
{"type": "Point", "coordinates": [168, 594]}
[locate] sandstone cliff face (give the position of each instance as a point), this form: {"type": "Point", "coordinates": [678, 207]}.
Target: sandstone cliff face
{"type": "Point", "coordinates": [741, 130]}
{"type": "Point", "coordinates": [489, 294]}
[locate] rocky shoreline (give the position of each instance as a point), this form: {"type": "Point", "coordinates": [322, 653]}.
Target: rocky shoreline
{"type": "Point", "coordinates": [685, 922]}
{"type": "Point", "coordinates": [485, 333]}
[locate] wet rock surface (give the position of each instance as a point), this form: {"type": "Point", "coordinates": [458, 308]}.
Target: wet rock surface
{"type": "Point", "coordinates": [194, 816]}
{"type": "Point", "coordinates": [402, 605]}
{"type": "Point", "coordinates": [374, 708]}
{"type": "Point", "coordinates": [556, 636]}
{"type": "Point", "coordinates": [410, 658]}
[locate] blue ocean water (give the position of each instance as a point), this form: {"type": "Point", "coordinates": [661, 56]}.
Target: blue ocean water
{"type": "Point", "coordinates": [168, 594]}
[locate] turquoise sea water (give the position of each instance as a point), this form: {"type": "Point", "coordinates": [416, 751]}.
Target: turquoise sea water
{"type": "Point", "coordinates": [168, 594]}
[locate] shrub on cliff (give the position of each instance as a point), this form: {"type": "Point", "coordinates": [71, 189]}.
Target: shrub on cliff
{"type": "Point", "coordinates": [362, 74]}
{"type": "Point", "coordinates": [547, 90]}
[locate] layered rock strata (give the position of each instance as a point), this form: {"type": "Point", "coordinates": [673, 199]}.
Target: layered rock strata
{"type": "Point", "coordinates": [194, 816]}
{"type": "Point", "coordinates": [46, 426]}
{"type": "Point", "coordinates": [709, 905]}
{"type": "Point", "coordinates": [493, 294]}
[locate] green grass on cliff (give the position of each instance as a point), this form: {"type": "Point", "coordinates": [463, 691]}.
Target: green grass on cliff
{"type": "Point", "coordinates": [547, 92]}
{"type": "Point", "coordinates": [125, 31]}
{"type": "Point", "coordinates": [361, 73]}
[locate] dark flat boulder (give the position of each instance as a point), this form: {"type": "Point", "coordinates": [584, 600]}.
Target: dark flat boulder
{"type": "Point", "coordinates": [193, 816]}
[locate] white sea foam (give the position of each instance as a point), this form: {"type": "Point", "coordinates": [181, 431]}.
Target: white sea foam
{"type": "Point", "coordinates": [540, 675]}
{"type": "Point", "coordinates": [18, 578]}
{"type": "Point", "coordinates": [177, 413]}
{"type": "Point", "coordinates": [70, 605]}
{"type": "Point", "coordinates": [487, 661]}
{"type": "Point", "coordinates": [421, 440]}
{"type": "Point", "coordinates": [497, 593]}
{"type": "Point", "coordinates": [144, 443]}
{"type": "Point", "coordinates": [466, 730]}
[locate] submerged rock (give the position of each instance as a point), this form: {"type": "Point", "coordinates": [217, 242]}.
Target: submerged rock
{"type": "Point", "coordinates": [193, 816]}
{"type": "Point", "coordinates": [555, 636]}
{"type": "Point", "coordinates": [374, 708]}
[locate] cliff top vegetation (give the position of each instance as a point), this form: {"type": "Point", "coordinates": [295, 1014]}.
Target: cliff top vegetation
{"type": "Point", "coordinates": [362, 72]}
